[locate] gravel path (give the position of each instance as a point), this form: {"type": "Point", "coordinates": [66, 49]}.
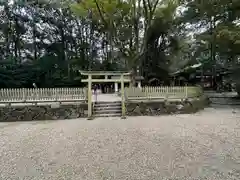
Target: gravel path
{"type": "Point", "coordinates": [201, 146]}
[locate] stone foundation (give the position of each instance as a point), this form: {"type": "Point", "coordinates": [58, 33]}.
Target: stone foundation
{"type": "Point", "coordinates": [47, 112]}
{"type": "Point", "coordinates": [161, 107]}
{"type": "Point", "coordinates": [73, 111]}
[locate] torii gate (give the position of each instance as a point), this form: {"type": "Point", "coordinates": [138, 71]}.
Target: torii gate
{"type": "Point", "coordinates": [91, 80]}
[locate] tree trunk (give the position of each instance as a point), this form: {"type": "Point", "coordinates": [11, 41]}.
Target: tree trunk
{"type": "Point", "coordinates": [34, 42]}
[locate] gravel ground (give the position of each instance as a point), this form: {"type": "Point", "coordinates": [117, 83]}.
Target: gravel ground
{"type": "Point", "coordinates": [201, 146]}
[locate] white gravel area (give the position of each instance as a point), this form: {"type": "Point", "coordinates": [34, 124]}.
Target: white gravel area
{"type": "Point", "coordinates": [202, 146]}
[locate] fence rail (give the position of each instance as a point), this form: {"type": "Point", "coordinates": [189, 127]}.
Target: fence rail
{"type": "Point", "coordinates": [163, 92]}
{"type": "Point", "coordinates": [42, 95]}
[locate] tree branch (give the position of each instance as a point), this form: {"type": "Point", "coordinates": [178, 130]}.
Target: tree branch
{"type": "Point", "coordinates": [100, 13]}
{"type": "Point", "coordinates": [154, 8]}
{"type": "Point", "coordinates": [145, 10]}
{"type": "Point", "coordinates": [149, 6]}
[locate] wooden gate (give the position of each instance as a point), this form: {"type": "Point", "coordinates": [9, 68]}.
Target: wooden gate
{"type": "Point", "coordinates": [108, 78]}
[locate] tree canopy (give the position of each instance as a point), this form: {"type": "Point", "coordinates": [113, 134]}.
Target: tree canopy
{"type": "Point", "coordinates": [47, 42]}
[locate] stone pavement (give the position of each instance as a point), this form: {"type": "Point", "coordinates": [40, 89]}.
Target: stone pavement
{"type": "Point", "coordinates": [106, 98]}
{"type": "Point", "coordinates": [201, 146]}
{"type": "Point", "coordinates": [214, 94]}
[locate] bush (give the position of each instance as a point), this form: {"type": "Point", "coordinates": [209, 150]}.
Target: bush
{"type": "Point", "coordinates": [238, 88]}
{"type": "Point", "coordinates": [195, 91]}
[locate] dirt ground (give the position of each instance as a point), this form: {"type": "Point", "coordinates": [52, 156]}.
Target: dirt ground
{"type": "Point", "coordinates": [202, 146]}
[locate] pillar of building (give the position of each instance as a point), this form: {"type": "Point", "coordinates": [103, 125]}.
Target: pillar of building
{"type": "Point", "coordinates": [116, 87]}
{"type": "Point", "coordinates": [139, 84]}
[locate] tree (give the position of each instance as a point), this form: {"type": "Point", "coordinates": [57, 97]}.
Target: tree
{"type": "Point", "coordinates": [219, 19]}
{"type": "Point", "coordinates": [152, 47]}
{"type": "Point", "coordinates": [60, 37]}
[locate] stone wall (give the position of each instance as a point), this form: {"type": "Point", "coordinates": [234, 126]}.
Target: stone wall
{"type": "Point", "coordinates": [46, 112]}
{"type": "Point", "coordinates": [133, 108]}
{"type": "Point", "coordinates": [161, 107]}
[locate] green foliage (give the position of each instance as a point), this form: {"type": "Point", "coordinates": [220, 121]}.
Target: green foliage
{"type": "Point", "coordinates": [219, 18]}
{"type": "Point", "coordinates": [47, 42]}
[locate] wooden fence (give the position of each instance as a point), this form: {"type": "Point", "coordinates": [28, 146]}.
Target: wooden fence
{"type": "Point", "coordinates": [169, 92]}
{"type": "Point", "coordinates": [80, 94]}
{"type": "Point", "coordinates": [42, 95]}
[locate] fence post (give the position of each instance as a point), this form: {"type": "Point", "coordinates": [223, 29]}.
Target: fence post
{"type": "Point", "coordinates": [89, 96]}
{"type": "Point", "coordinates": [25, 95]}
{"type": "Point", "coordinates": [186, 91]}
{"type": "Point", "coordinates": [123, 98]}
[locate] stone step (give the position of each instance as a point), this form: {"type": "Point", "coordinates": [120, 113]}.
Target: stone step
{"type": "Point", "coordinates": [107, 111]}
{"type": "Point", "coordinates": [108, 115]}
{"type": "Point", "coordinates": [98, 108]}
{"type": "Point", "coordinates": [102, 102]}
{"type": "Point", "coordinates": [107, 103]}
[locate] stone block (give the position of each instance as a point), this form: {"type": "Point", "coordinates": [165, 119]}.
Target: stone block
{"type": "Point", "coordinates": [34, 113]}
{"type": "Point", "coordinates": [156, 108]}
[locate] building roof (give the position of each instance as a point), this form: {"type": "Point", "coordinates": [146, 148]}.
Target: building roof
{"type": "Point", "coordinates": [139, 78]}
